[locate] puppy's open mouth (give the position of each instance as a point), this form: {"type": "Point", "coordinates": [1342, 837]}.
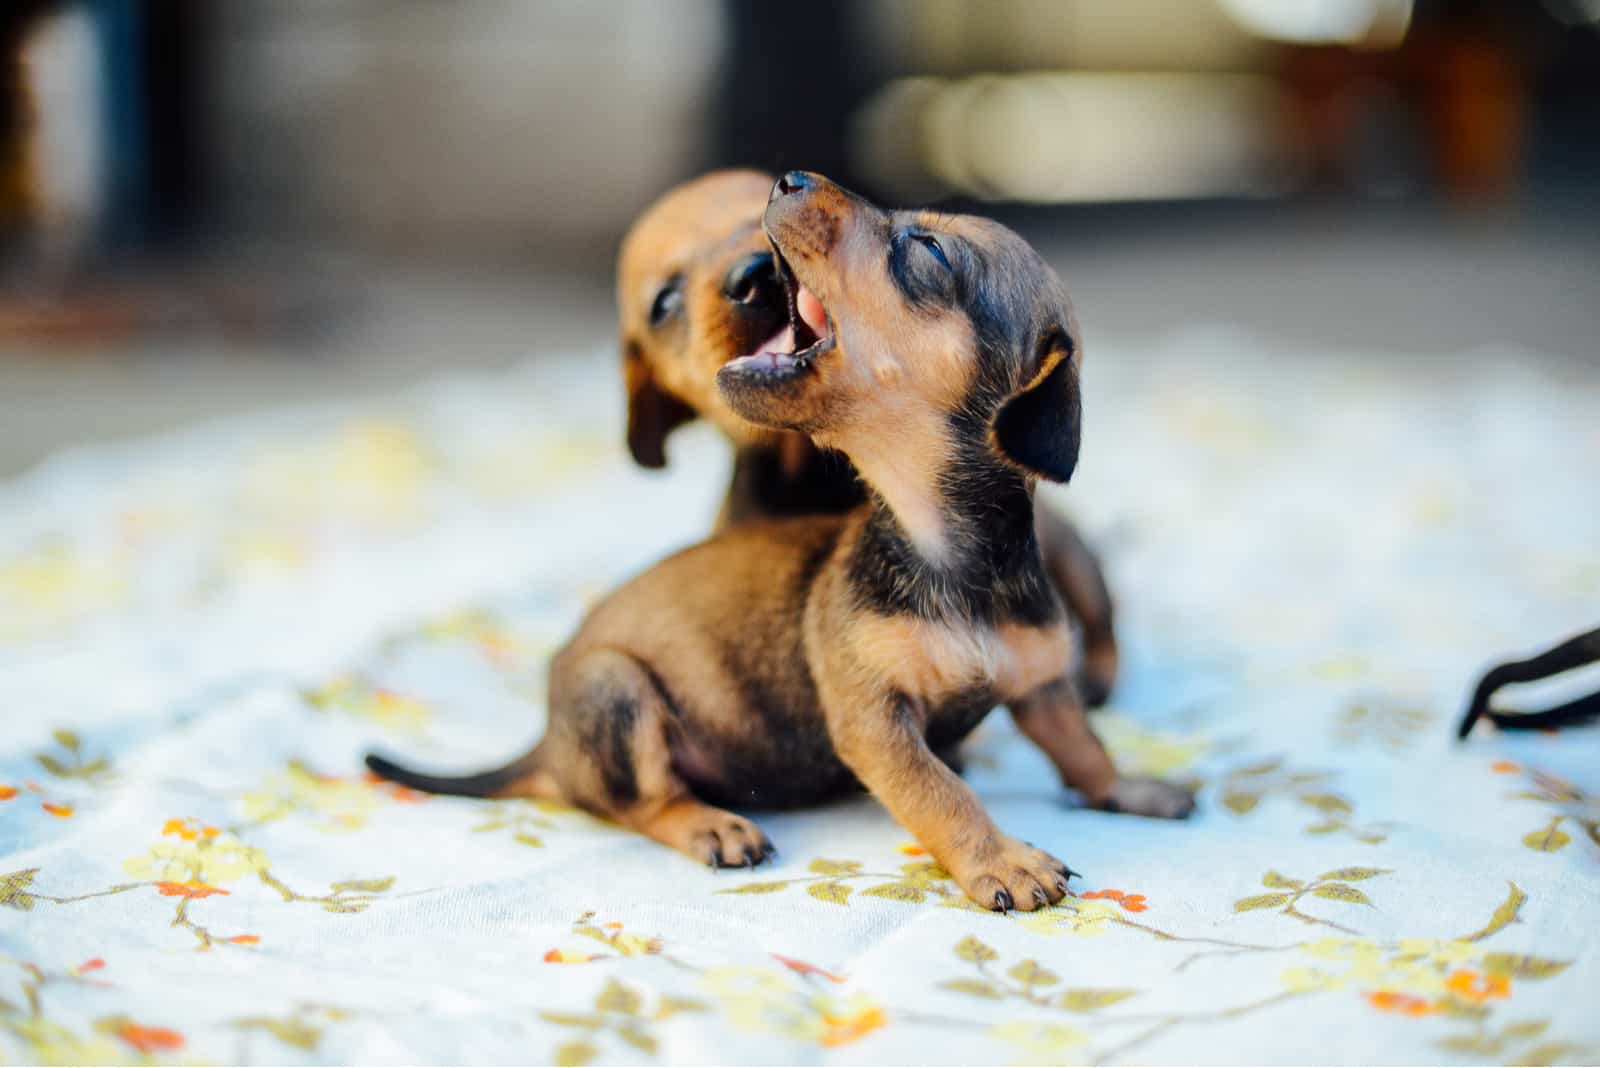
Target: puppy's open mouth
{"type": "Point", "coordinates": [793, 349]}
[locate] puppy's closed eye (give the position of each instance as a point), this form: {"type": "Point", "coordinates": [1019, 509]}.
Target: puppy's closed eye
{"type": "Point", "coordinates": [920, 267]}
{"type": "Point", "coordinates": [931, 243]}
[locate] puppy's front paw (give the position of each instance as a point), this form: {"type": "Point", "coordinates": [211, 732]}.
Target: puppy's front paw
{"type": "Point", "coordinates": [1150, 797]}
{"type": "Point", "coordinates": [1007, 874]}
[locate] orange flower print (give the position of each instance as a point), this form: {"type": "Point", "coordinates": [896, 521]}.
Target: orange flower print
{"type": "Point", "coordinates": [246, 940]}
{"type": "Point", "coordinates": [1130, 902]}
{"type": "Point", "coordinates": [395, 791]}
{"type": "Point", "coordinates": [60, 812]}
{"type": "Point", "coordinates": [1394, 1001]}
{"type": "Point", "coordinates": [800, 967]}
{"type": "Point", "coordinates": [149, 1039]}
{"type": "Point", "coordinates": [911, 849]}
{"type": "Point", "coordinates": [1470, 986]}
{"type": "Point", "coordinates": [1505, 767]}
{"type": "Point", "coordinates": [7, 792]}
{"type": "Point", "coordinates": [89, 966]}
{"type": "Point", "coordinates": [189, 889]}
{"type": "Point", "coordinates": [844, 1029]}
{"type": "Point", "coordinates": [189, 830]}
{"type": "Point", "coordinates": [566, 956]}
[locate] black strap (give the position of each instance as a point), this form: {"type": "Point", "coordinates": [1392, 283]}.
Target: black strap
{"type": "Point", "coordinates": [1572, 653]}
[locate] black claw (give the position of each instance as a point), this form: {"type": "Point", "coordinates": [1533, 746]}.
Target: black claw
{"type": "Point", "coordinates": [1061, 885]}
{"type": "Point", "coordinates": [1070, 873]}
{"type": "Point", "coordinates": [1040, 897]}
{"type": "Point", "coordinates": [716, 859]}
{"type": "Point", "coordinates": [1002, 900]}
{"type": "Point", "coordinates": [750, 857]}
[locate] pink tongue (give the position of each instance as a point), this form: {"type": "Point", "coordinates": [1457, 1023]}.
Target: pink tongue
{"type": "Point", "coordinates": [810, 309]}
{"type": "Point", "coordinates": [782, 341]}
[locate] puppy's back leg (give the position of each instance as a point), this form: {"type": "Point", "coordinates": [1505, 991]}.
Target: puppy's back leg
{"type": "Point", "coordinates": [610, 748]}
{"type": "Point", "coordinates": [1075, 571]}
{"type": "Point", "coordinates": [1052, 718]}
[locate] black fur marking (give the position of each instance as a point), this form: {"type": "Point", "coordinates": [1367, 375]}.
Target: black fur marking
{"type": "Point", "coordinates": [826, 485]}
{"type": "Point", "coordinates": [608, 737]}
{"type": "Point", "coordinates": [996, 573]}
{"type": "Point", "coordinates": [956, 717]}
{"type": "Point", "coordinates": [1041, 428]}
{"type": "Point", "coordinates": [777, 759]}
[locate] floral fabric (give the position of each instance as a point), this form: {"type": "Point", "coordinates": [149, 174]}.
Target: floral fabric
{"type": "Point", "coordinates": [200, 635]}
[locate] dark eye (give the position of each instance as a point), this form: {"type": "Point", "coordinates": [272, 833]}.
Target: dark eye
{"type": "Point", "coordinates": [668, 302]}
{"type": "Point", "coordinates": [929, 242]}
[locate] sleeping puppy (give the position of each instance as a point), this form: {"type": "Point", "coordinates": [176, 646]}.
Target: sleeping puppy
{"type": "Point", "coordinates": [786, 661]}
{"type": "Point", "coordinates": [696, 288]}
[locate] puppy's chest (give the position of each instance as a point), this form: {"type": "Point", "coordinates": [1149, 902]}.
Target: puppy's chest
{"type": "Point", "coordinates": [939, 663]}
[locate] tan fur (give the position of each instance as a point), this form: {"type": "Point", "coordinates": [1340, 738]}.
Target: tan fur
{"type": "Point", "coordinates": [752, 669]}
{"type": "Point", "coordinates": [700, 230]}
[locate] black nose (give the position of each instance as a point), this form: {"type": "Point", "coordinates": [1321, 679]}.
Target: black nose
{"type": "Point", "coordinates": [749, 277]}
{"type": "Point", "coordinates": [793, 182]}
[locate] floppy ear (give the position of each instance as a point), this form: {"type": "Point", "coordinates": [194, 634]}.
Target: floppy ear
{"type": "Point", "coordinates": [652, 412]}
{"type": "Point", "coordinates": [1039, 428]}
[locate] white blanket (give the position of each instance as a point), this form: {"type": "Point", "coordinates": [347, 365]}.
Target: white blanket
{"type": "Point", "coordinates": [200, 635]}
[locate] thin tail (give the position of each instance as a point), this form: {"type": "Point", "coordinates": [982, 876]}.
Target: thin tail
{"type": "Point", "coordinates": [1573, 653]}
{"type": "Point", "coordinates": [495, 783]}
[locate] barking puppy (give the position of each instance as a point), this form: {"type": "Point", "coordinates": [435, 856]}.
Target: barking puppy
{"type": "Point", "coordinates": [697, 287]}
{"type": "Point", "coordinates": [786, 661]}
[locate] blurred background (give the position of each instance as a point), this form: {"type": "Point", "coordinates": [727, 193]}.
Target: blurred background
{"type": "Point", "coordinates": [208, 206]}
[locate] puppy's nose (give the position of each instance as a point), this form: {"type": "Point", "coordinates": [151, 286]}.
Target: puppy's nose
{"type": "Point", "coordinates": [793, 182]}
{"type": "Point", "coordinates": [744, 282]}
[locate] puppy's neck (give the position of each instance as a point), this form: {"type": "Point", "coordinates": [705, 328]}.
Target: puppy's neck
{"type": "Point", "coordinates": [951, 532]}
{"type": "Point", "coordinates": [909, 502]}
{"type": "Point", "coordinates": [790, 476]}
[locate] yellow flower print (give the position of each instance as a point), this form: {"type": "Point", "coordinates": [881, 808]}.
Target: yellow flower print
{"type": "Point", "coordinates": [346, 804]}
{"type": "Point", "coordinates": [766, 1002]}
{"type": "Point", "coordinates": [52, 1044]}
{"type": "Point", "coordinates": [1307, 979]}
{"type": "Point", "coordinates": [55, 585]}
{"type": "Point", "coordinates": [358, 696]}
{"type": "Point", "coordinates": [267, 552]}
{"type": "Point", "coordinates": [1073, 916]}
{"type": "Point", "coordinates": [200, 861]}
{"type": "Point", "coordinates": [609, 934]}
{"type": "Point", "coordinates": [1039, 1043]}
{"type": "Point", "coordinates": [371, 471]}
{"type": "Point", "coordinates": [1345, 949]}
{"type": "Point", "coordinates": [1450, 952]}
{"type": "Point", "coordinates": [1142, 751]}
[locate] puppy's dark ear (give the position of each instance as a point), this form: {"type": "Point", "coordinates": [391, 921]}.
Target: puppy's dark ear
{"type": "Point", "coordinates": [1039, 428]}
{"type": "Point", "coordinates": [652, 412]}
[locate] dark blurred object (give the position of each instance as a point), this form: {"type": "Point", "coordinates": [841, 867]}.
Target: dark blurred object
{"type": "Point", "coordinates": [1458, 85]}
{"type": "Point", "coordinates": [104, 187]}
{"type": "Point", "coordinates": [18, 21]}
{"type": "Point", "coordinates": [145, 144]}
{"type": "Point", "coordinates": [793, 74]}
{"type": "Point", "coordinates": [100, 123]}
{"type": "Point", "coordinates": [1571, 654]}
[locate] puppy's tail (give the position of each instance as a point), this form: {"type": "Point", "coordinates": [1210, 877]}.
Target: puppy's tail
{"type": "Point", "coordinates": [520, 778]}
